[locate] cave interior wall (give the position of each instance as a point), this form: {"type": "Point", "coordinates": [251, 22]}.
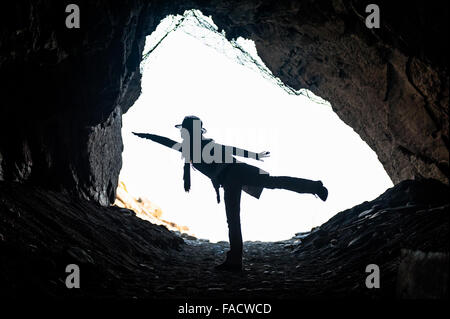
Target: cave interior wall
{"type": "Point", "coordinates": [65, 90]}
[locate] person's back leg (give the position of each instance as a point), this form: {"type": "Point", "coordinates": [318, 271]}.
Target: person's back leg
{"type": "Point", "coordinates": [251, 175]}
{"type": "Point", "coordinates": [295, 184]}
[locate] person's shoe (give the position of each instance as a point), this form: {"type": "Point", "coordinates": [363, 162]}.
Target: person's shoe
{"type": "Point", "coordinates": [227, 266]}
{"type": "Point", "coordinates": [322, 192]}
{"type": "Point", "coordinates": [231, 263]}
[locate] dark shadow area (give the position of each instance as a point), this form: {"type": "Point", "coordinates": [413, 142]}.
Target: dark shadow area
{"type": "Point", "coordinates": [122, 256]}
{"type": "Point", "coordinates": [63, 95]}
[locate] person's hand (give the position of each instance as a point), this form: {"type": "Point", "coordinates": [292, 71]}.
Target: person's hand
{"type": "Point", "coordinates": [263, 155]}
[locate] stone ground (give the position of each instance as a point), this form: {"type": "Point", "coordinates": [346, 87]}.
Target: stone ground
{"type": "Point", "coordinates": [271, 269]}
{"type": "Point", "coordinates": [309, 265]}
{"type": "Point", "coordinates": [122, 256]}
{"type": "Point", "coordinates": [268, 268]}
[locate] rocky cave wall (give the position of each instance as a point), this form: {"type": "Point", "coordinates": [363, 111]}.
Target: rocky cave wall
{"type": "Point", "coordinates": [64, 90]}
{"type": "Point", "coordinates": [391, 85]}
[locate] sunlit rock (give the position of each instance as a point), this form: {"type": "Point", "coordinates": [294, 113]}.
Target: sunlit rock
{"type": "Point", "coordinates": [145, 209]}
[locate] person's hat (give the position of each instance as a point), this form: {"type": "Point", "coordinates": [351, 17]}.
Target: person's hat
{"type": "Point", "coordinates": [188, 123]}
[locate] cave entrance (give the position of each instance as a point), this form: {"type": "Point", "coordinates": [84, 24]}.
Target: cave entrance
{"type": "Point", "coordinates": [189, 68]}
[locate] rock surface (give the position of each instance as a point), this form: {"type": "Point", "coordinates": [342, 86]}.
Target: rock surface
{"type": "Point", "coordinates": [391, 85]}
{"type": "Point", "coordinates": [64, 90]}
{"type": "Point", "coordinates": [122, 256]}
{"type": "Point", "coordinates": [423, 275]}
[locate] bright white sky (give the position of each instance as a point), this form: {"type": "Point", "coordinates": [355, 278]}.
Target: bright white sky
{"type": "Point", "coordinates": [239, 107]}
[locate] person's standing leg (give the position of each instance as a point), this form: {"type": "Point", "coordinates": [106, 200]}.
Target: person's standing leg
{"type": "Point", "coordinates": [232, 194]}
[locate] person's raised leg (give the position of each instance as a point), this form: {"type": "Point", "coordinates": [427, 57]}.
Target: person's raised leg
{"type": "Point", "coordinates": [251, 175]}
{"type": "Point", "coordinates": [295, 184]}
{"type": "Point", "coordinates": [233, 261]}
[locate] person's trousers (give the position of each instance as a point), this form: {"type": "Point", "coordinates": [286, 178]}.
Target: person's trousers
{"type": "Point", "coordinates": [238, 175]}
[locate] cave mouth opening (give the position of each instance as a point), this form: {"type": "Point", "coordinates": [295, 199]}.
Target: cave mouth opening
{"type": "Point", "coordinates": [190, 68]}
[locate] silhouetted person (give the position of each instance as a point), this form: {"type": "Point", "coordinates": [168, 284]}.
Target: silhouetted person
{"type": "Point", "coordinates": [218, 163]}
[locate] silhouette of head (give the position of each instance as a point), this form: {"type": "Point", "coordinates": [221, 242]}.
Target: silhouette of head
{"type": "Point", "coordinates": [191, 123]}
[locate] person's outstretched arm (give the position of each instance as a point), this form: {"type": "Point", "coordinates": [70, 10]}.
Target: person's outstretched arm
{"type": "Point", "coordinates": [161, 140]}
{"type": "Point", "coordinates": [231, 150]}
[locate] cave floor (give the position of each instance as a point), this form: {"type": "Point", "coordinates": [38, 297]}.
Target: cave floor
{"type": "Point", "coordinates": [329, 262]}
{"type": "Point", "coordinates": [122, 256]}
{"type": "Point", "coordinates": [271, 270]}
